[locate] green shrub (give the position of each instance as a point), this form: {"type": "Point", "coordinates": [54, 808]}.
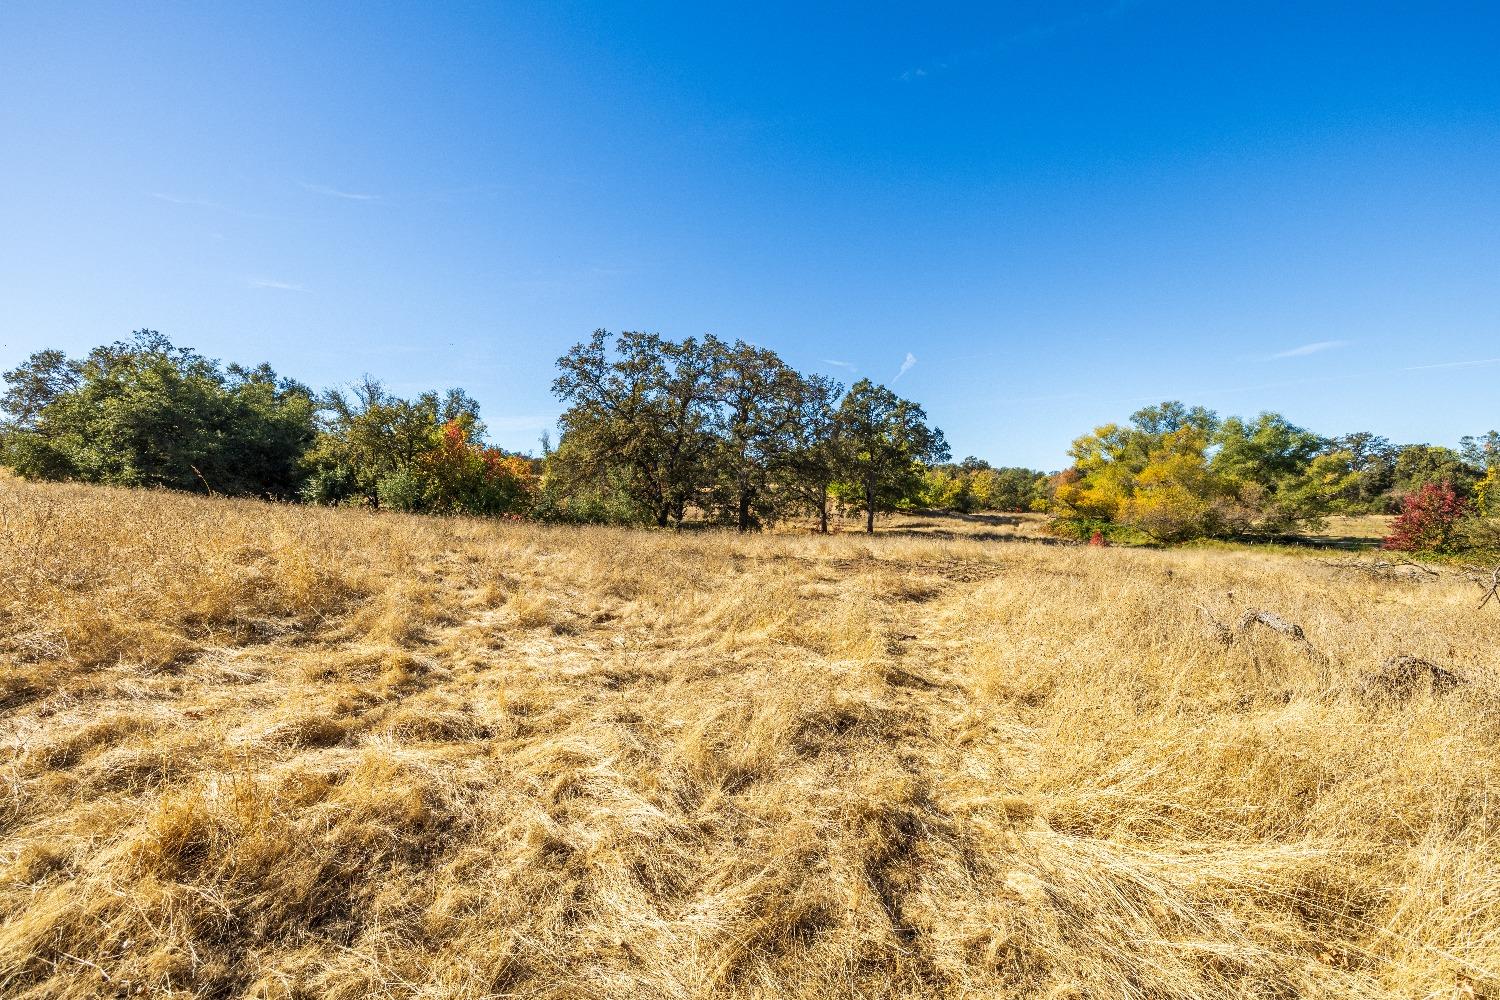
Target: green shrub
{"type": "Point", "coordinates": [403, 490]}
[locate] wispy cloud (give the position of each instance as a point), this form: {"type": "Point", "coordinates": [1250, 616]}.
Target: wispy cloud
{"type": "Point", "coordinates": [1316, 347]}
{"type": "Point", "coordinates": [279, 286]}
{"type": "Point", "coordinates": [1480, 363]}
{"type": "Point", "coordinates": [333, 192]}
{"type": "Point", "coordinates": [906, 365]}
{"type": "Point", "coordinates": [839, 364]}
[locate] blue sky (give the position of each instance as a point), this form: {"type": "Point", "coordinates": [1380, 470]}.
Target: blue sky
{"type": "Point", "coordinates": [1032, 217]}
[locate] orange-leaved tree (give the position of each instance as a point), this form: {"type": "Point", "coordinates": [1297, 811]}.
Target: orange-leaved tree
{"type": "Point", "coordinates": [463, 476]}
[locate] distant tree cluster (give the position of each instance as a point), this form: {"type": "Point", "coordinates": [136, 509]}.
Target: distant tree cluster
{"type": "Point", "coordinates": [143, 412]}
{"type": "Point", "coordinates": [655, 429]}
{"type": "Point", "coordinates": [974, 484]}
{"type": "Point", "coordinates": [422, 455]}
{"type": "Point", "coordinates": [1174, 473]}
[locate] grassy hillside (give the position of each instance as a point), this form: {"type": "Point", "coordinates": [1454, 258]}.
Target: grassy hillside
{"type": "Point", "coordinates": [260, 751]}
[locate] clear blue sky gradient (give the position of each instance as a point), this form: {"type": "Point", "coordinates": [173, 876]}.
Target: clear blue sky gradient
{"type": "Point", "coordinates": [1061, 211]}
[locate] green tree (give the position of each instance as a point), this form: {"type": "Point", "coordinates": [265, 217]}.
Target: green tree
{"type": "Point", "coordinates": [1266, 466]}
{"type": "Point", "coordinates": [462, 475]}
{"type": "Point", "coordinates": [758, 406]}
{"type": "Point", "coordinates": [1372, 459]}
{"type": "Point", "coordinates": [886, 444]}
{"type": "Point", "coordinates": [368, 435]}
{"type": "Point", "coordinates": [817, 448]}
{"type": "Point", "coordinates": [974, 484]}
{"type": "Point", "coordinates": [1175, 493]}
{"type": "Point", "coordinates": [946, 487]}
{"type": "Point", "coordinates": [36, 384]}
{"type": "Point", "coordinates": [1172, 415]}
{"type": "Point", "coordinates": [1009, 488]}
{"type": "Point", "coordinates": [1108, 463]}
{"type": "Point", "coordinates": [1419, 465]}
{"type": "Point", "coordinates": [143, 412]}
{"type": "Point", "coordinates": [1487, 493]}
{"type": "Point", "coordinates": [642, 415]}
{"type": "Point", "coordinates": [1176, 472]}
{"type": "Point", "coordinates": [1482, 452]}
{"type": "Point", "coordinates": [580, 491]}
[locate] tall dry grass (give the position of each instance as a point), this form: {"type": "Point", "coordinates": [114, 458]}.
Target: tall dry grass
{"type": "Point", "coordinates": [259, 751]}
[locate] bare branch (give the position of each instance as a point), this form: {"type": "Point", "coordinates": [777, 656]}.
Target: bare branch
{"type": "Point", "coordinates": [1225, 636]}
{"type": "Point", "coordinates": [1380, 567]}
{"type": "Point", "coordinates": [1491, 589]}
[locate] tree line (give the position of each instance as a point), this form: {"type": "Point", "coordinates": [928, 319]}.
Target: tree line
{"type": "Point", "coordinates": [1175, 472]}
{"type": "Point", "coordinates": [654, 431]}
{"type": "Point", "coordinates": [660, 432]}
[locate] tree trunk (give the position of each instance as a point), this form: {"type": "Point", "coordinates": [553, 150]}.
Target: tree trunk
{"type": "Point", "coordinates": [823, 511]}
{"type": "Point", "coordinates": [869, 506]}
{"type": "Point", "coordinates": [662, 511]}
{"type": "Point", "coordinates": [744, 507]}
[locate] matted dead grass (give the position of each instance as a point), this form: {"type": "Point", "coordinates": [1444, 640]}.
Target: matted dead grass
{"type": "Point", "coordinates": [260, 751]}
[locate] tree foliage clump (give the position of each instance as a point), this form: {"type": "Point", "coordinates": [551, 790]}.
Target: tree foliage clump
{"type": "Point", "coordinates": [142, 412]}
{"type": "Point", "coordinates": [1487, 493]}
{"type": "Point", "coordinates": [421, 455]}
{"type": "Point", "coordinates": [639, 419]}
{"type": "Point", "coordinates": [657, 428]}
{"type": "Point", "coordinates": [1429, 521]}
{"type": "Point", "coordinates": [1446, 500]}
{"type": "Point", "coordinates": [885, 444]}
{"type": "Point", "coordinates": [974, 485]}
{"type": "Point", "coordinates": [1175, 473]}
{"type": "Point", "coordinates": [656, 431]}
{"type": "Point", "coordinates": [1482, 454]}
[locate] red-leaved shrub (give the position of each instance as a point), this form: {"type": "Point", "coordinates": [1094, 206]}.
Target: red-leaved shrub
{"type": "Point", "coordinates": [1429, 520]}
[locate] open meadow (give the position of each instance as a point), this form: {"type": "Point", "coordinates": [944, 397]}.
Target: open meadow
{"type": "Point", "coordinates": [250, 750]}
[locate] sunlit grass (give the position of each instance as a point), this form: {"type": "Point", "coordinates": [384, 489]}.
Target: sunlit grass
{"type": "Point", "coordinates": [268, 751]}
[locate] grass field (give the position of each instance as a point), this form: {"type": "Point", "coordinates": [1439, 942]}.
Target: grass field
{"type": "Point", "coordinates": [261, 751]}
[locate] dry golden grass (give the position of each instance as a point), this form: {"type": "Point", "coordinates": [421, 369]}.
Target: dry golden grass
{"type": "Point", "coordinates": [1365, 527]}
{"type": "Point", "coordinates": [258, 751]}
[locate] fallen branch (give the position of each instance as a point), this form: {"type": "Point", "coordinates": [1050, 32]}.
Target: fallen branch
{"type": "Point", "coordinates": [1400, 676]}
{"type": "Point", "coordinates": [1379, 567]}
{"type": "Point", "coordinates": [1217, 630]}
{"type": "Point", "coordinates": [1276, 623]}
{"type": "Point", "coordinates": [1225, 636]}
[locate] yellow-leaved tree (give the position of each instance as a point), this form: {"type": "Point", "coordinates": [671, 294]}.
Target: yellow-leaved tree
{"type": "Point", "coordinates": [1487, 493]}
{"type": "Point", "coordinates": [1175, 491]}
{"type": "Point", "coordinates": [1175, 473]}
